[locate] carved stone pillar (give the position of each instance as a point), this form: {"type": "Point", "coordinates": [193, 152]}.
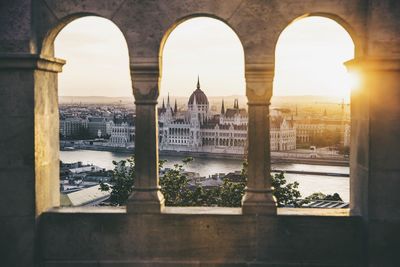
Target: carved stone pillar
{"type": "Point", "coordinates": [375, 131]}
{"type": "Point", "coordinates": [29, 83]}
{"type": "Point", "coordinates": [375, 154]}
{"type": "Point", "coordinates": [146, 196]}
{"type": "Point", "coordinates": [29, 145]}
{"type": "Point", "coordinates": [258, 197]}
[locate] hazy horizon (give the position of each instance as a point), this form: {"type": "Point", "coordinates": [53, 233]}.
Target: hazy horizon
{"type": "Point", "coordinates": [290, 98]}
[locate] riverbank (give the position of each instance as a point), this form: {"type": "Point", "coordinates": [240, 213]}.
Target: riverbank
{"type": "Point", "coordinates": [206, 166]}
{"type": "Point", "coordinates": [274, 158]}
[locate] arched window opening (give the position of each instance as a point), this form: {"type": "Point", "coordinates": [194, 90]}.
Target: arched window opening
{"type": "Point", "coordinates": [96, 109]}
{"type": "Point", "coordinates": [311, 104]}
{"type": "Point", "coordinates": [203, 113]}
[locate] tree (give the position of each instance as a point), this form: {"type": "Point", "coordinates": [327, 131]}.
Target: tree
{"type": "Point", "coordinates": [286, 194]}
{"type": "Point", "coordinates": [177, 191]}
{"type": "Point", "coordinates": [174, 185]}
{"type": "Point", "coordinates": [322, 196]}
{"type": "Point", "coordinates": [121, 182]}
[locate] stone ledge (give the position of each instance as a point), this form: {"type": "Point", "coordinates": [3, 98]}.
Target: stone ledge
{"type": "Point", "coordinates": [30, 61]}
{"type": "Point", "coordinates": [209, 211]}
{"type": "Point", "coordinates": [374, 64]}
{"type": "Point", "coordinates": [149, 263]}
{"type": "Point", "coordinates": [186, 238]}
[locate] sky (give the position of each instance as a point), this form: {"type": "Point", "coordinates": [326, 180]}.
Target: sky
{"type": "Point", "coordinates": [309, 59]}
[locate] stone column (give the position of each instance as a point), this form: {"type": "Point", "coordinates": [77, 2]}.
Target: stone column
{"type": "Point", "coordinates": [29, 145]}
{"type": "Point", "coordinates": [375, 131]}
{"type": "Point", "coordinates": [146, 196]}
{"type": "Point", "coordinates": [258, 197]}
{"type": "Point", "coordinates": [375, 154]}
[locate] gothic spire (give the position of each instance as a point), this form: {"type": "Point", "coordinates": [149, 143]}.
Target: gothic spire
{"type": "Point", "coordinates": [163, 104]}
{"type": "Point", "coordinates": [198, 82]}
{"type": "Point", "coordinates": [175, 107]}
{"type": "Point", "coordinates": [236, 104]}
{"type": "Point", "coordinates": [168, 100]}
{"type": "Point", "coordinates": [223, 108]}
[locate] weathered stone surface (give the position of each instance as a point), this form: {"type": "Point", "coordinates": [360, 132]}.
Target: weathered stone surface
{"type": "Point", "coordinates": [285, 239]}
{"type": "Point", "coordinates": [383, 239]}
{"type": "Point", "coordinates": [17, 241]}
{"type": "Point", "coordinates": [46, 141]}
{"type": "Point", "coordinates": [103, 8]}
{"type": "Point", "coordinates": [384, 34]}
{"type": "Point", "coordinates": [194, 238]}
{"type": "Point", "coordinates": [15, 26]}
{"type": "Point", "coordinates": [16, 96]}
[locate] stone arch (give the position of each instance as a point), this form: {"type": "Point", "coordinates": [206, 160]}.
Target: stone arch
{"type": "Point", "coordinates": [181, 20]}
{"type": "Point", "coordinates": [186, 18]}
{"type": "Point", "coordinates": [47, 43]}
{"type": "Point", "coordinates": [356, 39]}
{"type": "Point", "coordinates": [46, 100]}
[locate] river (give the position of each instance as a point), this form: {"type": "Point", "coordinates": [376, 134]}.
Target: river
{"type": "Point", "coordinates": [207, 166]}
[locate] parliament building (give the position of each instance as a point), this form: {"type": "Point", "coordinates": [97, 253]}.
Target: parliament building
{"type": "Point", "coordinates": [199, 130]}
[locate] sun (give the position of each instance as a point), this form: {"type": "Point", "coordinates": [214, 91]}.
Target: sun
{"type": "Point", "coordinates": [310, 57]}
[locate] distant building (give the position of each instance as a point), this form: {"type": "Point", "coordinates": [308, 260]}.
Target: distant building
{"type": "Point", "coordinates": [98, 125]}
{"type": "Point", "coordinates": [307, 128]}
{"type": "Point", "coordinates": [346, 138]}
{"type": "Point", "coordinates": [199, 130]}
{"type": "Point", "coordinates": [123, 133]}
{"type": "Point", "coordinates": [70, 127]}
{"type": "Point", "coordinates": [282, 132]}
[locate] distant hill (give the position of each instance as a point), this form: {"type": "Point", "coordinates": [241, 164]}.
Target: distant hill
{"type": "Point", "coordinates": [306, 99]}
{"type": "Point", "coordinates": [94, 99]}
{"type": "Point", "coordinates": [214, 100]}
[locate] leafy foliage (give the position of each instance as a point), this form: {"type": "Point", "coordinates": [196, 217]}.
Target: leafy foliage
{"type": "Point", "coordinates": [321, 196]}
{"type": "Point", "coordinates": [174, 186]}
{"type": "Point", "coordinates": [121, 182]}
{"type": "Point", "coordinates": [286, 194]}
{"type": "Point", "coordinates": [326, 138]}
{"type": "Point", "coordinates": [178, 192]}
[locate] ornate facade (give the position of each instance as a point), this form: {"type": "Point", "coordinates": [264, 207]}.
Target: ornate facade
{"type": "Point", "coordinates": [122, 133]}
{"type": "Point", "coordinates": [199, 130]}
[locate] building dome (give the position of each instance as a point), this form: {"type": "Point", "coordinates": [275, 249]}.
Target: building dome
{"type": "Point", "coordinates": [201, 98]}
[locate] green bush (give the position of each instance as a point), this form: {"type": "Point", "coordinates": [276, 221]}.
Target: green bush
{"type": "Point", "coordinates": [177, 192]}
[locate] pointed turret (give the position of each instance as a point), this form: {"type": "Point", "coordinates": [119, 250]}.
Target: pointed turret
{"type": "Point", "coordinates": [175, 107]}
{"type": "Point", "coordinates": [194, 103]}
{"type": "Point", "coordinates": [168, 101]}
{"type": "Point", "coordinates": [236, 104]}
{"type": "Point", "coordinates": [163, 104]}
{"type": "Point", "coordinates": [223, 108]}
{"type": "Point", "coordinates": [198, 82]}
